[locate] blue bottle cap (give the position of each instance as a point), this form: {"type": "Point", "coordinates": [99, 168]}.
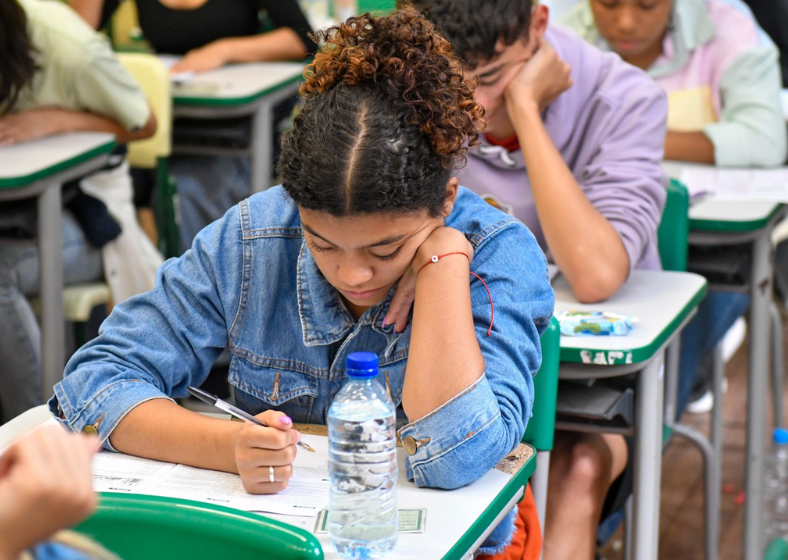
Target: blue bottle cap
{"type": "Point", "coordinates": [362, 365]}
{"type": "Point", "coordinates": [780, 436]}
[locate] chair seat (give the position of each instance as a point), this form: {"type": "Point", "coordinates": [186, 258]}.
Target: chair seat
{"type": "Point", "coordinates": [80, 299]}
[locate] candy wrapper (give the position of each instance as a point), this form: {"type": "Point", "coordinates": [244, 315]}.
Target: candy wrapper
{"type": "Point", "coordinates": [594, 323]}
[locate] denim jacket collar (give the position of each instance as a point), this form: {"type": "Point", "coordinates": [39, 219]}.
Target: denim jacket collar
{"type": "Point", "coordinates": [324, 317]}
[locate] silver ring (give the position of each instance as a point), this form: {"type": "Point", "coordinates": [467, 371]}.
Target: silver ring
{"type": "Point", "coordinates": [271, 474]}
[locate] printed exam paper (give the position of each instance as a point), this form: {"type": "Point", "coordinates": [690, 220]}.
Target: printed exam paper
{"type": "Point", "coordinates": [306, 494]}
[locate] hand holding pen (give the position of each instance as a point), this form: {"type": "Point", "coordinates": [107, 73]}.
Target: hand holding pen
{"type": "Point", "coordinates": [213, 400]}
{"type": "Point", "coordinates": [264, 457]}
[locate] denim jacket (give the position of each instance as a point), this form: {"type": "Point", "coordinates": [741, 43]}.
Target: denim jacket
{"type": "Point", "coordinates": [250, 284]}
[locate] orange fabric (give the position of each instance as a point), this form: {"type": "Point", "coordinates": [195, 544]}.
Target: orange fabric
{"type": "Point", "coordinates": [510, 144]}
{"type": "Point", "coordinates": [527, 541]}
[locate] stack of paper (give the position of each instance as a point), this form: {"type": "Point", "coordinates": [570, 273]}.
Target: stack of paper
{"type": "Point", "coordinates": [305, 495]}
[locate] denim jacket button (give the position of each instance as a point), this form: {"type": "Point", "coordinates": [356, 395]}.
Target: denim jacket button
{"type": "Point", "coordinates": [410, 445]}
{"type": "Point", "coordinates": [90, 430]}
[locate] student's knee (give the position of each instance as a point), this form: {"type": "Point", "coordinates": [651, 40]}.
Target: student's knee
{"type": "Point", "coordinates": [582, 461]}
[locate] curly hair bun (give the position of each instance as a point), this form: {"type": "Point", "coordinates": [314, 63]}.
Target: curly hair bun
{"type": "Point", "coordinates": [403, 55]}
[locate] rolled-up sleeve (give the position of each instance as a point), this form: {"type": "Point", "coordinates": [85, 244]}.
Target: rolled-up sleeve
{"type": "Point", "coordinates": [751, 131]}
{"type": "Point", "coordinates": [624, 180]}
{"type": "Point", "coordinates": [468, 435]}
{"type": "Point", "coordinates": [156, 344]}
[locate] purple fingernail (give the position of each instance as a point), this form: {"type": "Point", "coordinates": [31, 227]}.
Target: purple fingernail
{"type": "Point", "coordinates": [286, 420]}
{"type": "Point", "coordinates": [384, 323]}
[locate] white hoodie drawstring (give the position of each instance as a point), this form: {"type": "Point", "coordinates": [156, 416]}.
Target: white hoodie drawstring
{"type": "Point", "coordinates": [501, 151]}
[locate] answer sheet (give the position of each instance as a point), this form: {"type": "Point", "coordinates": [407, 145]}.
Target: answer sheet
{"type": "Point", "coordinates": [732, 184]}
{"type": "Point", "coordinates": [305, 495]}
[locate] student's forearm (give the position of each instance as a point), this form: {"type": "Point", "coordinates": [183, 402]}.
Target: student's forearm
{"type": "Point", "coordinates": [585, 246]}
{"type": "Point", "coordinates": [160, 429]}
{"type": "Point", "coordinates": [280, 44]}
{"type": "Point", "coordinates": [89, 10]}
{"type": "Point", "coordinates": [444, 356]}
{"type": "Point", "coordinates": [689, 146]}
{"type": "Point", "coordinates": [79, 121]}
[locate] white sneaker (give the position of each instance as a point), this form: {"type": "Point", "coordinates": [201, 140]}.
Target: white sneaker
{"type": "Point", "coordinates": [733, 339]}
{"type": "Point", "coordinates": [706, 402]}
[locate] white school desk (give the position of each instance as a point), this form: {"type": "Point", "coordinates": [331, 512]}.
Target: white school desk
{"type": "Point", "coordinates": [237, 91]}
{"type": "Point", "coordinates": [39, 169]}
{"type": "Point", "coordinates": [663, 302]}
{"type": "Point", "coordinates": [457, 522]}
{"type": "Point", "coordinates": [724, 223]}
{"type": "Point", "coordinates": [747, 223]}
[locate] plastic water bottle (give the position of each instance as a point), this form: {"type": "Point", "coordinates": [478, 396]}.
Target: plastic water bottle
{"type": "Point", "coordinates": [776, 488]}
{"type": "Point", "coordinates": [362, 464]}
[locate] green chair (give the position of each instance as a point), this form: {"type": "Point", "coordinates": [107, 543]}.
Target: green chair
{"type": "Point", "coordinates": [541, 426]}
{"type": "Point", "coordinates": [137, 527]}
{"type": "Point", "coordinates": [674, 228]}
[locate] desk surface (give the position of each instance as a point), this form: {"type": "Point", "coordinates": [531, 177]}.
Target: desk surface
{"type": "Point", "coordinates": [710, 214]}
{"type": "Point", "coordinates": [236, 84]}
{"type": "Point", "coordinates": [660, 300]}
{"type": "Point", "coordinates": [454, 521]}
{"type": "Point", "coordinates": [23, 164]}
{"type": "Point", "coordinates": [731, 215]}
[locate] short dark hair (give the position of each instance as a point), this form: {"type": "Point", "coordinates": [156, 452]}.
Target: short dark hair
{"type": "Point", "coordinates": [17, 62]}
{"type": "Point", "coordinates": [473, 27]}
{"type": "Point", "coordinates": [388, 117]}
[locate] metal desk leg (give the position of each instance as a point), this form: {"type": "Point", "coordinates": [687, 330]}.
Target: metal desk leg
{"type": "Point", "coordinates": [778, 366]}
{"type": "Point", "coordinates": [712, 485]}
{"type": "Point", "coordinates": [628, 529]}
{"type": "Point", "coordinates": [672, 354]}
{"type": "Point", "coordinates": [757, 380]}
{"type": "Point", "coordinates": [648, 461]}
{"type": "Point", "coordinates": [262, 147]}
{"type": "Point", "coordinates": [539, 481]}
{"type": "Point", "coordinates": [50, 251]}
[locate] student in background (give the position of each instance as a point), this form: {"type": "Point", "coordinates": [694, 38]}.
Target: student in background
{"type": "Point", "coordinates": [572, 147]}
{"type": "Point", "coordinates": [295, 278]}
{"type": "Point", "coordinates": [59, 76]}
{"type": "Point", "coordinates": [720, 70]}
{"type": "Point", "coordinates": [46, 486]}
{"type": "Point", "coordinates": [210, 34]}
{"type": "Point", "coordinates": [722, 76]}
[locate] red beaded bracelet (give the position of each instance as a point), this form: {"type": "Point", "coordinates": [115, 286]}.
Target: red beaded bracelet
{"type": "Point", "coordinates": [436, 258]}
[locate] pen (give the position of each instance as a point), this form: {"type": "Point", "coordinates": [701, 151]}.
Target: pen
{"type": "Point", "coordinates": [213, 400]}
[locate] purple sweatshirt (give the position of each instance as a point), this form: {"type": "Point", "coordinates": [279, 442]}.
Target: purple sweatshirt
{"type": "Point", "coordinates": [610, 129]}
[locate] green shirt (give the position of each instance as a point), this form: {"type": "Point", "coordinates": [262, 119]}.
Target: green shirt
{"type": "Point", "coordinates": [77, 68]}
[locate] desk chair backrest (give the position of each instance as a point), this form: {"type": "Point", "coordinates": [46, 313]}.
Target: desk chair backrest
{"type": "Point", "coordinates": [674, 228]}
{"type": "Point", "coordinates": [153, 153]}
{"type": "Point", "coordinates": [137, 527]}
{"type": "Point", "coordinates": [154, 79]}
{"type": "Point", "coordinates": [541, 426]}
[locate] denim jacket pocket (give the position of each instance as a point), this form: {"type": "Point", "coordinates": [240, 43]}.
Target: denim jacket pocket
{"type": "Point", "coordinates": [261, 388]}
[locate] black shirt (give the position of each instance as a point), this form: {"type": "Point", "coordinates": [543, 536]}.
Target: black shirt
{"type": "Point", "coordinates": [177, 31]}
